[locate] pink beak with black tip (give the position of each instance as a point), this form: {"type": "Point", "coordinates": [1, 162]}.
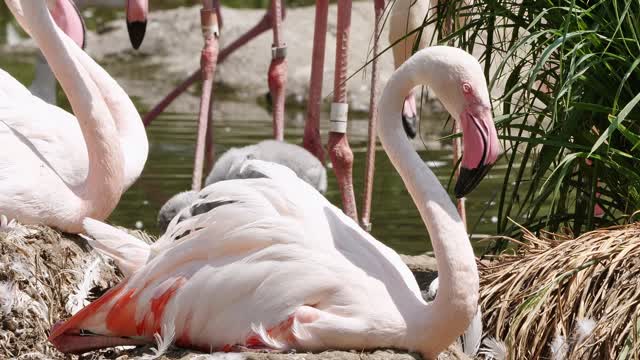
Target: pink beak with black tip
{"type": "Point", "coordinates": [137, 21]}
{"type": "Point", "coordinates": [67, 16]}
{"type": "Point", "coordinates": [481, 147]}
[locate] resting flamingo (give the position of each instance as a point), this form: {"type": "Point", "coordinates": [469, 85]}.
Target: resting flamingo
{"type": "Point", "coordinates": [227, 167]}
{"type": "Point", "coordinates": [283, 268]}
{"type": "Point", "coordinates": [63, 168]}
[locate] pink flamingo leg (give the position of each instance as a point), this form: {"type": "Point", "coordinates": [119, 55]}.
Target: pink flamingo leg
{"type": "Point", "coordinates": [373, 119]}
{"type": "Point", "coordinates": [311, 140]}
{"type": "Point", "coordinates": [263, 25]}
{"type": "Point", "coordinates": [277, 77]}
{"type": "Point", "coordinates": [339, 150]}
{"type": "Point", "coordinates": [208, 60]}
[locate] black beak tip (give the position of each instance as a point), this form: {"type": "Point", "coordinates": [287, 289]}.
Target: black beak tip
{"type": "Point", "coordinates": [136, 32]}
{"type": "Point", "coordinates": [410, 125]}
{"type": "Point", "coordinates": [469, 179]}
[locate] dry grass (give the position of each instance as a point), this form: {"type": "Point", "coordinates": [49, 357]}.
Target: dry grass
{"type": "Point", "coordinates": [553, 281]}
{"type": "Point", "coordinates": [41, 270]}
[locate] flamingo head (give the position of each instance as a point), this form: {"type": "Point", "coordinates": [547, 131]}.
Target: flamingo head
{"type": "Point", "coordinates": [68, 18]}
{"type": "Point", "coordinates": [458, 80]}
{"type": "Point", "coordinates": [137, 21]}
{"type": "Point", "coordinates": [480, 141]}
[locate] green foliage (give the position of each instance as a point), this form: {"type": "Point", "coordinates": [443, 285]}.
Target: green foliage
{"type": "Point", "coordinates": [565, 76]}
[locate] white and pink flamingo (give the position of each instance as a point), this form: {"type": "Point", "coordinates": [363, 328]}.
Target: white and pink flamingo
{"type": "Point", "coordinates": [44, 83]}
{"type": "Point", "coordinates": [63, 168]}
{"type": "Point", "coordinates": [273, 265]}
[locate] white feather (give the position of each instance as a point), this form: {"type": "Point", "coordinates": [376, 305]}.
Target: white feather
{"type": "Point", "coordinates": [128, 252]}
{"type": "Point", "coordinates": [433, 289]}
{"type": "Point", "coordinates": [494, 349]}
{"type": "Point", "coordinates": [90, 275]}
{"type": "Point", "coordinates": [267, 339]}
{"type": "Point", "coordinates": [11, 297]}
{"type": "Point", "coordinates": [559, 348]}
{"type": "Point", "coordinates": [472, 337]}
{"type": "Point", "coordinates": [163, 342]}
{"type": "Point", "coordinates": [7, 297]}
{"type": "Point", "coordinates": [582, 330]}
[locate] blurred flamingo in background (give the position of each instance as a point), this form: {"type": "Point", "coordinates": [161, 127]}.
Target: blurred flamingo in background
{"type": "Point", "coordinates": [210, 57]}
{"type": "Point", "coordinates": [44, 83]}
{"type": "Point", "coordinates": [63, 168]}
{"type": "Point", "coordinates": [407, 17]}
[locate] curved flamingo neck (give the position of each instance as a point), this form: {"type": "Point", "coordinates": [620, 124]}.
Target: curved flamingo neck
{"type": "Point", "coordinates": [101, 191]}
{"type": "Point", "coordinates": [435, 325]}
{"type": "Point", "coordinates": [131, 131]}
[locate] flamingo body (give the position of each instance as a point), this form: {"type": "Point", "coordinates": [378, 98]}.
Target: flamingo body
{"type": "Point", "coordinates": [273, 264]}
{"type": "Point", "coordinates": [267, 226]}
{"type": "Point", "coordinates": [62, 167]}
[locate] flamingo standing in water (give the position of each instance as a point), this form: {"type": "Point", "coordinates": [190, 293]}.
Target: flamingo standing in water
{"type": "Point", "coordinates": [282, 268]}
{"type": "Point", "coordinates": [44, 82]}
{"type": "Point", "coordinates": [63, 168]}
{"type": "Point", "coordinates": [210, 18]}
{"type": "Point", "coordinates": [68, 18]}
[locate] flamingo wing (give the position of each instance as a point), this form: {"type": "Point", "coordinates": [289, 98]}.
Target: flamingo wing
{"type": "Point", "coordinates": [242, 273]}
{"type": "Point", "coordinates": [51, 132]}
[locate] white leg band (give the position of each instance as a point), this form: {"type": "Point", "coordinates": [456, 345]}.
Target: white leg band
{"type": "Point", "coordinates": [338, 119]}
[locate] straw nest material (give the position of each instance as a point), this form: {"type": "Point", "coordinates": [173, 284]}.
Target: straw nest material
{"type": "Point", "coordinates": [564, 298]}
{"type": "Point", "coordinates": [45, 276]}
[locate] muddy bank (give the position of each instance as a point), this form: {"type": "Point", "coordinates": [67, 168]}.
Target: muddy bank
{"type": "Point", "coordinates": [173, 43]}
{"type": "Point", "coordinates": [48, 276]}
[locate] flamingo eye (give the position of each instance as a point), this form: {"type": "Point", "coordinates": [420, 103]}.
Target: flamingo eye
{"type": "Point", "coordinates": [466, 88]}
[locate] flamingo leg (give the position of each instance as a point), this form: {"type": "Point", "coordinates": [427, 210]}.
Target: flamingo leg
{"type": "Point", "coordinates": [208, 60]}
{"type": "Point", "coordinates": [277, 76]}
{"type": "Point", "coordinates": [263, 25]}
{"type": "Point", "coordinates": [311, 140]}
{"type": "Point", "coordinates": [373, 119]}
{"type": "Point", "coordinates": [339, 150]}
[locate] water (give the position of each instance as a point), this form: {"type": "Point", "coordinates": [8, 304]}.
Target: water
{"type": "Point", "coordinates": [172, 140]}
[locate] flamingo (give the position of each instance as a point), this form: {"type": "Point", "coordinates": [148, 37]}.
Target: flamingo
{"type": "Point", "coordinates": [137, 20]}
{"type": "Point", "coordinates": [44, 82]}
{"type": "Point", "coordinates": [280, 267]}
{"type": "Point", "coordinates": [63, 168]}
{"type": "Point", "coordinates": [67, 16]}
{"type": "Point", "coordinates": [276, 77]}
{"type": "Point", "coordinates": [407, 16]}
{"type": "Point", "coordinates": [303, 163]}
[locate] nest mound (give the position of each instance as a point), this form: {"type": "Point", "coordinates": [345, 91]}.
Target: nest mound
{"type": "Point", "coordinates": [46, 276]}
{"type": "Point", "coordinates": [566, 298]}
